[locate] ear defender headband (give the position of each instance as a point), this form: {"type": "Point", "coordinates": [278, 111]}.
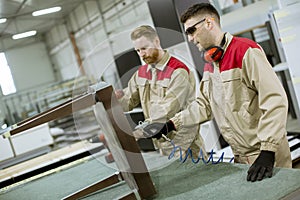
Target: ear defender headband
{"type": "Point", "coordinates": [212, 54]}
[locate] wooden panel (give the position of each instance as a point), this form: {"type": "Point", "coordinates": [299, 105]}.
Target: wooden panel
{"type": "Point", "coordinates": [127, 142]}
{"type": "Point", "coordinates": [57, 112]}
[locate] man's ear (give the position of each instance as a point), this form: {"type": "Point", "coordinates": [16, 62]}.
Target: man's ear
{"type": "Point", "coordinates": [210, 22]}
{"type": "Point", "coordinates": [157, 42]}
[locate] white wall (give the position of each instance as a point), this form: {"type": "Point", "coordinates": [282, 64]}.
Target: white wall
{"type": "Point", "coordinates": [30, 66]}
{"type": "Point", "coordinates": [102, 32]}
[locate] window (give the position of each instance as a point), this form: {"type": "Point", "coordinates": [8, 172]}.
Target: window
{"type": "Point", "coordinates": [6, 79]}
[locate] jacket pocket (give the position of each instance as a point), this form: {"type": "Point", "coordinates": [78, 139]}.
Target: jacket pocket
{"type": "Point", "coordinates": [161, 87]}
{"type": "Point", "coordinates": [237, 94]}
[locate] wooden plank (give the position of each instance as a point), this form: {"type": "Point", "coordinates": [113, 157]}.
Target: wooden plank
{"type": "Point", "coordinates": [113, 179]}
{"type": "Point", "coordinates": [42, 113]}
{"type": "Point", "coordinates": [129, 196]}
{"type": "Point", "coordinates": [59, 111]}
{"type": "Point", "coordinates": [128, 143]}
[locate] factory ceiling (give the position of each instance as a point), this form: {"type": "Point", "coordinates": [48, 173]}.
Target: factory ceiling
{"type": "Point", "coordinates": [18, 18]}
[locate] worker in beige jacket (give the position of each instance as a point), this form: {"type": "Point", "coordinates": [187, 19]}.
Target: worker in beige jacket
{"type": "Point", "coordinates": [163, 86]}
{"type": "Point", "coordinates": [240, 90]}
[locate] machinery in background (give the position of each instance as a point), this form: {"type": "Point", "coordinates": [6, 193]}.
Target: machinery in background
{"type": "Point", "coordinates": [17, 148]}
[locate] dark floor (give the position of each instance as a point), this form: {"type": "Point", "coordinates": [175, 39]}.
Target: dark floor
{"type": "Point", "coordinates": [293, 126]}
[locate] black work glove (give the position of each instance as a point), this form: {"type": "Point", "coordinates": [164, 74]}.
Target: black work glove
{"type": "Point", "coordinates": [262, 166]}
{"type": "Point", "coordinates": [156, 130]}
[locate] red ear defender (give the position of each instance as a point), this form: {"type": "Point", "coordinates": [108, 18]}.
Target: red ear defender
{"type": "Point", "coordinates": [213, 54]}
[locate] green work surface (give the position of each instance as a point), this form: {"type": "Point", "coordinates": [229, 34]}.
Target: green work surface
{"type": "Point", "coordinates": [175, 180]}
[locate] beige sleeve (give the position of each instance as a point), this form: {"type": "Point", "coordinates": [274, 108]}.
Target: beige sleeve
{"type": "Point", "coordinates": [271, 96]}
{"type": "Point", "coordinates": [197, 112]}
{"type": "Point", "coordinates": [131, 96]}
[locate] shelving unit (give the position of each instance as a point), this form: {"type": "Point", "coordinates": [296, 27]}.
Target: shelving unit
{"type": "Point", "coordinates": [61, 92]}
{"type": "Point", "coordinates": [79, 126]}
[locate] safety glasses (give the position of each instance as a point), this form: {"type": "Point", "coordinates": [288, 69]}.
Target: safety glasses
{"type": "Point", "coordinates": [191, 30]}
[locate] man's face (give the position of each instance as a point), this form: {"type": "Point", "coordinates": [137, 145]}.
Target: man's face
{"type": "Point", "coordinates": [196, 29]}
{"type": "Point", "coordinates": [146, 49]}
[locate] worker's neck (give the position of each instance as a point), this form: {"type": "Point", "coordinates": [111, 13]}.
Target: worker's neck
{"type": "Point", "coordinates": [219, 39]}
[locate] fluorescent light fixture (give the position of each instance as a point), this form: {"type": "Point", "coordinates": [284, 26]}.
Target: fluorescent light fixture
{"type": "Point", "coordinates": [2, 20]}
{"type": "Point", "coordinates": [46, 11]}
{"type": "Point", "coordinates": [23, 35]}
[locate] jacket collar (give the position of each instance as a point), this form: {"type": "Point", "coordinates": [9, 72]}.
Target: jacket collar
{"type": "Point", "coordinates": [228, 38]}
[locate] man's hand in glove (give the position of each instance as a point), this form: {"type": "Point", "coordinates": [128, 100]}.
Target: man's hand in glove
{"type": "Point", "coordinates": [262, 166]}
{"type": "Point", "coordinates": [156, 130]}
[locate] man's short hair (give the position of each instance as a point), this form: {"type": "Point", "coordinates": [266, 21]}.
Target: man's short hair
{"type": "Point", "coordinates": [144, 30]}
{"type": "Point", "coordinates": [200, 9]}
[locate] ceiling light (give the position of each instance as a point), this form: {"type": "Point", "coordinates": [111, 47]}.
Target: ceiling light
{"type": "Point", "coordinates": [23, 35]}
{"type": "Point", "coordinates": [2, 20]}
{"type": "Point", "coordinates": [46, 11]}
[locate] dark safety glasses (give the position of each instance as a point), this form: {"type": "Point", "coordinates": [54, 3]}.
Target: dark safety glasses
{"type": "Point", "coordinates": [192, 29]}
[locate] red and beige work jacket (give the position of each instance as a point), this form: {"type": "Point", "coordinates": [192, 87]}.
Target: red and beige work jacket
{"type": "Point", "coordinates": [163, 90]}
{"type": "Point", "coordinates": [247, 100]}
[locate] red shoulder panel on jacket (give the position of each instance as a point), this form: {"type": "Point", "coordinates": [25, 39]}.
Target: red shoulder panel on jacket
{"type": "Point", "coordinates": [172, 65]}
{"type": "Point", "coordinates": [233, 56]}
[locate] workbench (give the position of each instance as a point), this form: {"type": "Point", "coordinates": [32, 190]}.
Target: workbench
{"type": "Point", "coordinates": [172, 179]}
{"type": "Point", "coordinates": [146, 174]}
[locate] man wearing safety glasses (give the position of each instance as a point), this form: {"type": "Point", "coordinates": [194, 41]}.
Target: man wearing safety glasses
{"type": "Point", "coordinates": [240, 90]}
